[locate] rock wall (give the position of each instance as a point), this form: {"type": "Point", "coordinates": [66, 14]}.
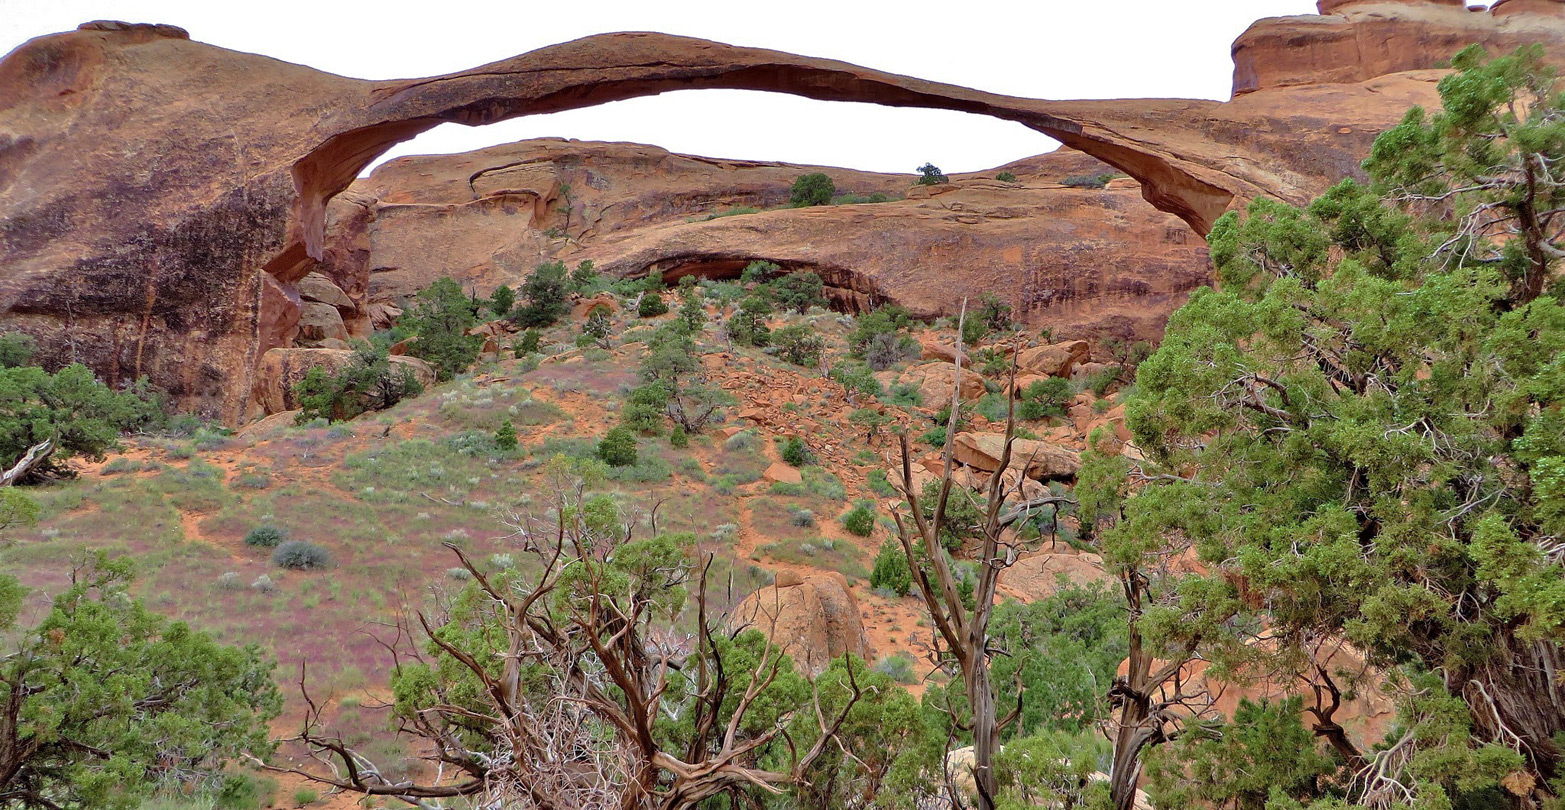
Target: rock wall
{"type": "Point", "coordinates": [160, 199]}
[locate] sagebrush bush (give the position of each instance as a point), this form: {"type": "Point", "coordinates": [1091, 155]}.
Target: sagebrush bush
{"type": "Point", "coordinates": [266, 537]}
{"type": "Point", "coordinates": [795, 451]}
{"type": "Point", "coordinates": [617, 448]}
{"type": "Point", "coordinates": [891, 570]}
{"type": "Point", "coordinates": [860, 520]}
{"type": "Point", "coordinates": [300, 555]}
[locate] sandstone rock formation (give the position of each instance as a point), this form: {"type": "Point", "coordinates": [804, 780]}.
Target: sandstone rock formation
{"type": "Point", "coordinates": [161, 199]}
{"type": "Point", "coordinates": [1082, 261]}
{"type": "Point", "coordinates": [1040, 459]}
{"type": "Point", "coordinates": [814, 618]}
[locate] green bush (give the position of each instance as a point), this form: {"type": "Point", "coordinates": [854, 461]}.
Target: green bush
{"type": "Point", "coordinates": [617, 448]}
{"type": "Point", "coordinates": [799, 344]}
{"type": "Point", "coordinates": [897, 667]}
{"type": "Point", "coordinates": [1044, 398]}
{"type": "Point", "coordinates": [1005, 177]}
{"type": "Point", "coordinates": [1100, 180]}
{"type": "Point", "coordinates": [758, 272]}
{"type": "Point", "coordinates": [652, 305]}
{"type": "Point", "coordinates": [505, 436]}
{"type": "Point", "coordinates": [266, 537]}
{"type": "Point", "coordinates": [16, 350]}
{"type": "Point", "coordinates": [584, 279]}
{"type": "Point", "coordinates": [679, 439]}
{"type": "Point", "coordinates": [501, 301]}
{"type": "Point", "coordinates": [300, 555]}
{"type": "Point", "coordinates": [930, 175]}
{"type": "Point", "coordinates": [747, 327]}
{"type": "Point", "coordinates": [799, 291]}
{"type": "Point", "coordinates": [368, 383]}
{"type": "Point", "coordinates": [440, 318]}
{"type": "Point", "coordinates": [544, 296]}
{"type": "Point", "coordinates": [795, 452]}
{"type": "Point", "coordinates": [83, 417]}
{"type": "Point", "coordinates": [529, 342]}
{"type": "Point", "coordinates": [860, 520]}
{"type": "Point", "coordinates": [856, 377]}
{"type": "Point", "coordinates": [812, 189]}
{"type": "Point", "coordinates": [891, 571]}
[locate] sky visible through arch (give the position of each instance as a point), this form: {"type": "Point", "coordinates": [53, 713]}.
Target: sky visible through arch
{"type": "Point", "coordinates": [1038, 48]}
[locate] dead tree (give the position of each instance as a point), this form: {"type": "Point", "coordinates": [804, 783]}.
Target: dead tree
{"type": "Point", "coordinates": [963, 633]}
{"type": "Point", "coordinates": [546, 689]}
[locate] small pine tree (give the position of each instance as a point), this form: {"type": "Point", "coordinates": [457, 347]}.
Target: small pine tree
{"type": "Point", "coordinates": [529, 343]}
{"type": "Point", "coordinates": [860, 520]}
{"type": "Point", "coordinates": [544, 294]}
{"type": "Point", "coordinates": [799, 344]}
{"type": "Point", "coordinates": [652, 305]}
{"type": "Point", "coordinates": [501, 301]}
{"type": "Point", "coordinates": [598, 326]}
{"type": "Point", "coordinates": [796, 452]}
{"type": "Point", "coordinates": [747, 327]}
{"type": "Point", "coordinates": [584, 277]}
{"type": "Point", "coordinates": [692, 312]}
{"type": "Point", "coordinates": [799, 291]}
{"type": "Point", "coordinates": [891, 571]}
{"type": "Point", "coordinates": [758, 272]}
{"type": "Point", "coordinates": [505, 436]}
{"type": "Point", "coordinates": [930, 175]}
{"type": "Point", "coordinates": [441, 317]}
{"type": "Point", "coordinates": [678, 438]}
{"type": "Point", "coordinates": [617, 448]}
{"type": "Point", "coordinates": [812, 189]}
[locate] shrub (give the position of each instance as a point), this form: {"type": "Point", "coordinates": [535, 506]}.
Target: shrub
{"type": "Point", "coordinates": [1100, 180]}
{"type": "Point", "coordinates": [440, 318]}
{"type": "Point", "coordinates": [887, 350]}
{"type": "Point", "coordinates": [300, 555]}
{"type": "Point", "coordinates": [796, 452]}
{"type": "Point", "coordinates": [304, 796]}
{"type": "Point", "coordinates": [528, 343]}
{"type": "Point", "coordinates": [799, 291]}
{"type": "Point", "coordinates": [897, 667]}
{"type": "Point", "coordinates": [812, 189]}
{"type": "Point", "coordinates": [802, 518]}
{"type": "Point", "coordinates": [69, 407]}
{"type": "Point", "coordinates": [368, 383]}
{"type": "Point", "coordinates": [930, 175]}
{"type": "Point", "coordinates": [652, 305]}
{"type": "Point", "coordinates": [1044, 398]}
{"type": "Point", "coordinates": [891, 570]}
{"type": "Point", "coordinates": [585, 277]}
{"type": "Point", "coordinates": [995, 313]}
{"type": "Point", "coordinates": [16, 350]}
{"type": "Point", "coordinates": [678, 438]}
{"type": "Point", "coordinates": [739, 442]}
{"type": "Point", "coordinates": [544, 296]}
{"type": "Point", "coordinates": [856, 377]}
{"type": "Point", "coordinates": [907, 395]}
{"type": "Point", "coordinates": [617, 448]}
{"type": "Point", "coordinates": [501, 301]}
{"type": "Point", "coordinates": [799, 344]}
{"type": "Point", "coordinates": [505, 437]}
{"type": "Point", "coordinates": [860, 520]}
{"type": "Point", "coordinates": [747, 327]}
{"type": "Point", "coordinates": [758, 272]}
{"type": "Point", "coordinates": [692, 309]}
{"type": "Point", "coordinates": [265, 537]}
{"type": "Point", "coordinates": [1005, 177]}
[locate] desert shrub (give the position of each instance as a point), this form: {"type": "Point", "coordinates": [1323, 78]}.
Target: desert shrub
{"type": "Point", "coordinates": [440, 318]}
{"type": "Point", "coordinates": [795, 452]}
{"type": "Point", "coordinates": [879, 484]}
{"type": "Point", "coordinates": [528, 343]}
{"type": "Point", "coordinates": [585, 277]}
{"type": "Point", "coordinates": [678, 438]}
{"type": "Point", "coordinates": [501, 301]}
{"type": "Point", "coordinates": [748, 327]}
{"type": "Point", "coordinates": [1044, 398]}
{"type": "Point", "coordinates": [16, 350]}
{"type": "Point", "coordinates": [544, 295]}
{"type": "Point", "coordinates": [369, 383]}
{"type": "Point", "coordinates": [1100, 180]}
{"type": "Point", "coordinates": [82, 416]}
{"type": "Point", "coordinates": [856, 377]}
{"type": "Point", "coordinates": [652, 305]}
{"type": "Point", "coordinates": [995, 313]}
{"type": "Point", "coordinates": [692, 308]}
{"type": "Point", "coordinates": [822, 482]}
{"type": "Point", "coordinates": [617, 448]}
{"type": "Point", "coordinates": [1005, 177]}
{"type": "Point", "coordinates": [907, 395]}
{"type": "Point", "coordinates": [802, 518]}
{"type": "Point", "coordinates": [740, 442]}
{"type": "Point", "coordinates": [758, 272]}
{"type": "Point", "coordinates": [799, 291]}
{"type": "Point", "coordinates": [897, 667]}
{"type": "Point", "coordinates": [891, 571]}
{"type": "Point", "coordinates": [930, 175]}
{"type": "Point", "coordinates": [860, 520]}
{"type": "Point", "coordinates": [885, 351]}
{"type": "Point", "coordinates": [266, 537]}
{"type": "Point", "coordinates": [505, 436]}
{"type": "Point", "coordinates": [812, 189]}
{"type": "Point", "coordinates": [799, 344]}
{"type": "Point", "coordinates": [300, 555]}
{"type": "Point", "coordinates": [672, 363]}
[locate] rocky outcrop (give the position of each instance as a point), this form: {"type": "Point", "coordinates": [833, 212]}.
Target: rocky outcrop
{"type": "Point", "coordinates": [1038, 576]}
{"type": "Point", "coordinates": [161, 199]}
{"type": "Point", "coordinates": [1082, 261]}
{"type": "Point", "coordinates": [813, 618]}
{"type": "Point", "coordinates": [1055, 360]}
{"type": "Point", "coordinates": [1041, 460]}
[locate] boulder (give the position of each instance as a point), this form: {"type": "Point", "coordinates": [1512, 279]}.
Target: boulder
{"type": "Point", "coordinates": [318, 321]}
{"type": "Point", "coordinates": [1041, 460]}
{"type": "Point", "coordinates": [1054, 360]}
{"type": "Point", "coordinates": [1038, 576]}
{"type": "Point", "coordinates": [316, 287]}
{"type": "Point", "coordinates": [935, 381]}
{"type": "Point", "coordinates": [815, 620]}
{"type": "Point", "coordinates": [281, 369]}
{"type": "Point", "coordinates": [931, 347]}
{"type": "Point", "coordinates": [780, 473]}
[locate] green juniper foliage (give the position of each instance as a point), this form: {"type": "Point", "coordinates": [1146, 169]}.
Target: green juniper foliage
{"type": "Point", "coordinates": [71, 408]}
{"type": "Point", "coordinates": [799, 291]}
{"type": "Point", "coordinates": [370, 382]}
{"type": "Point", "coordinates": [544, 296]}
{"type": "Point", "coordinates": [1362, 434]}
{"type": "Point", "coordinates": [440, 318]}
{"type": "Point", "coordinates": [108, 702]}
{"type": "Point", "coordinates": [811, 189]}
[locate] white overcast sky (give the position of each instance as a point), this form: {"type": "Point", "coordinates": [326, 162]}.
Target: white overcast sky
{"type": "Point", "coordinates": [1037, 48]}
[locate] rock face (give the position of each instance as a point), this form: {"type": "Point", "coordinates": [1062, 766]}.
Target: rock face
{"type": "Point", "coordinates": [161, 199]}
{"type": "Point", "coordinates": [1041, 460]}
{"type": "Point", "coordinates": [1085, 262]}
{"type": "Point", "coordinates": [814, 618]}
